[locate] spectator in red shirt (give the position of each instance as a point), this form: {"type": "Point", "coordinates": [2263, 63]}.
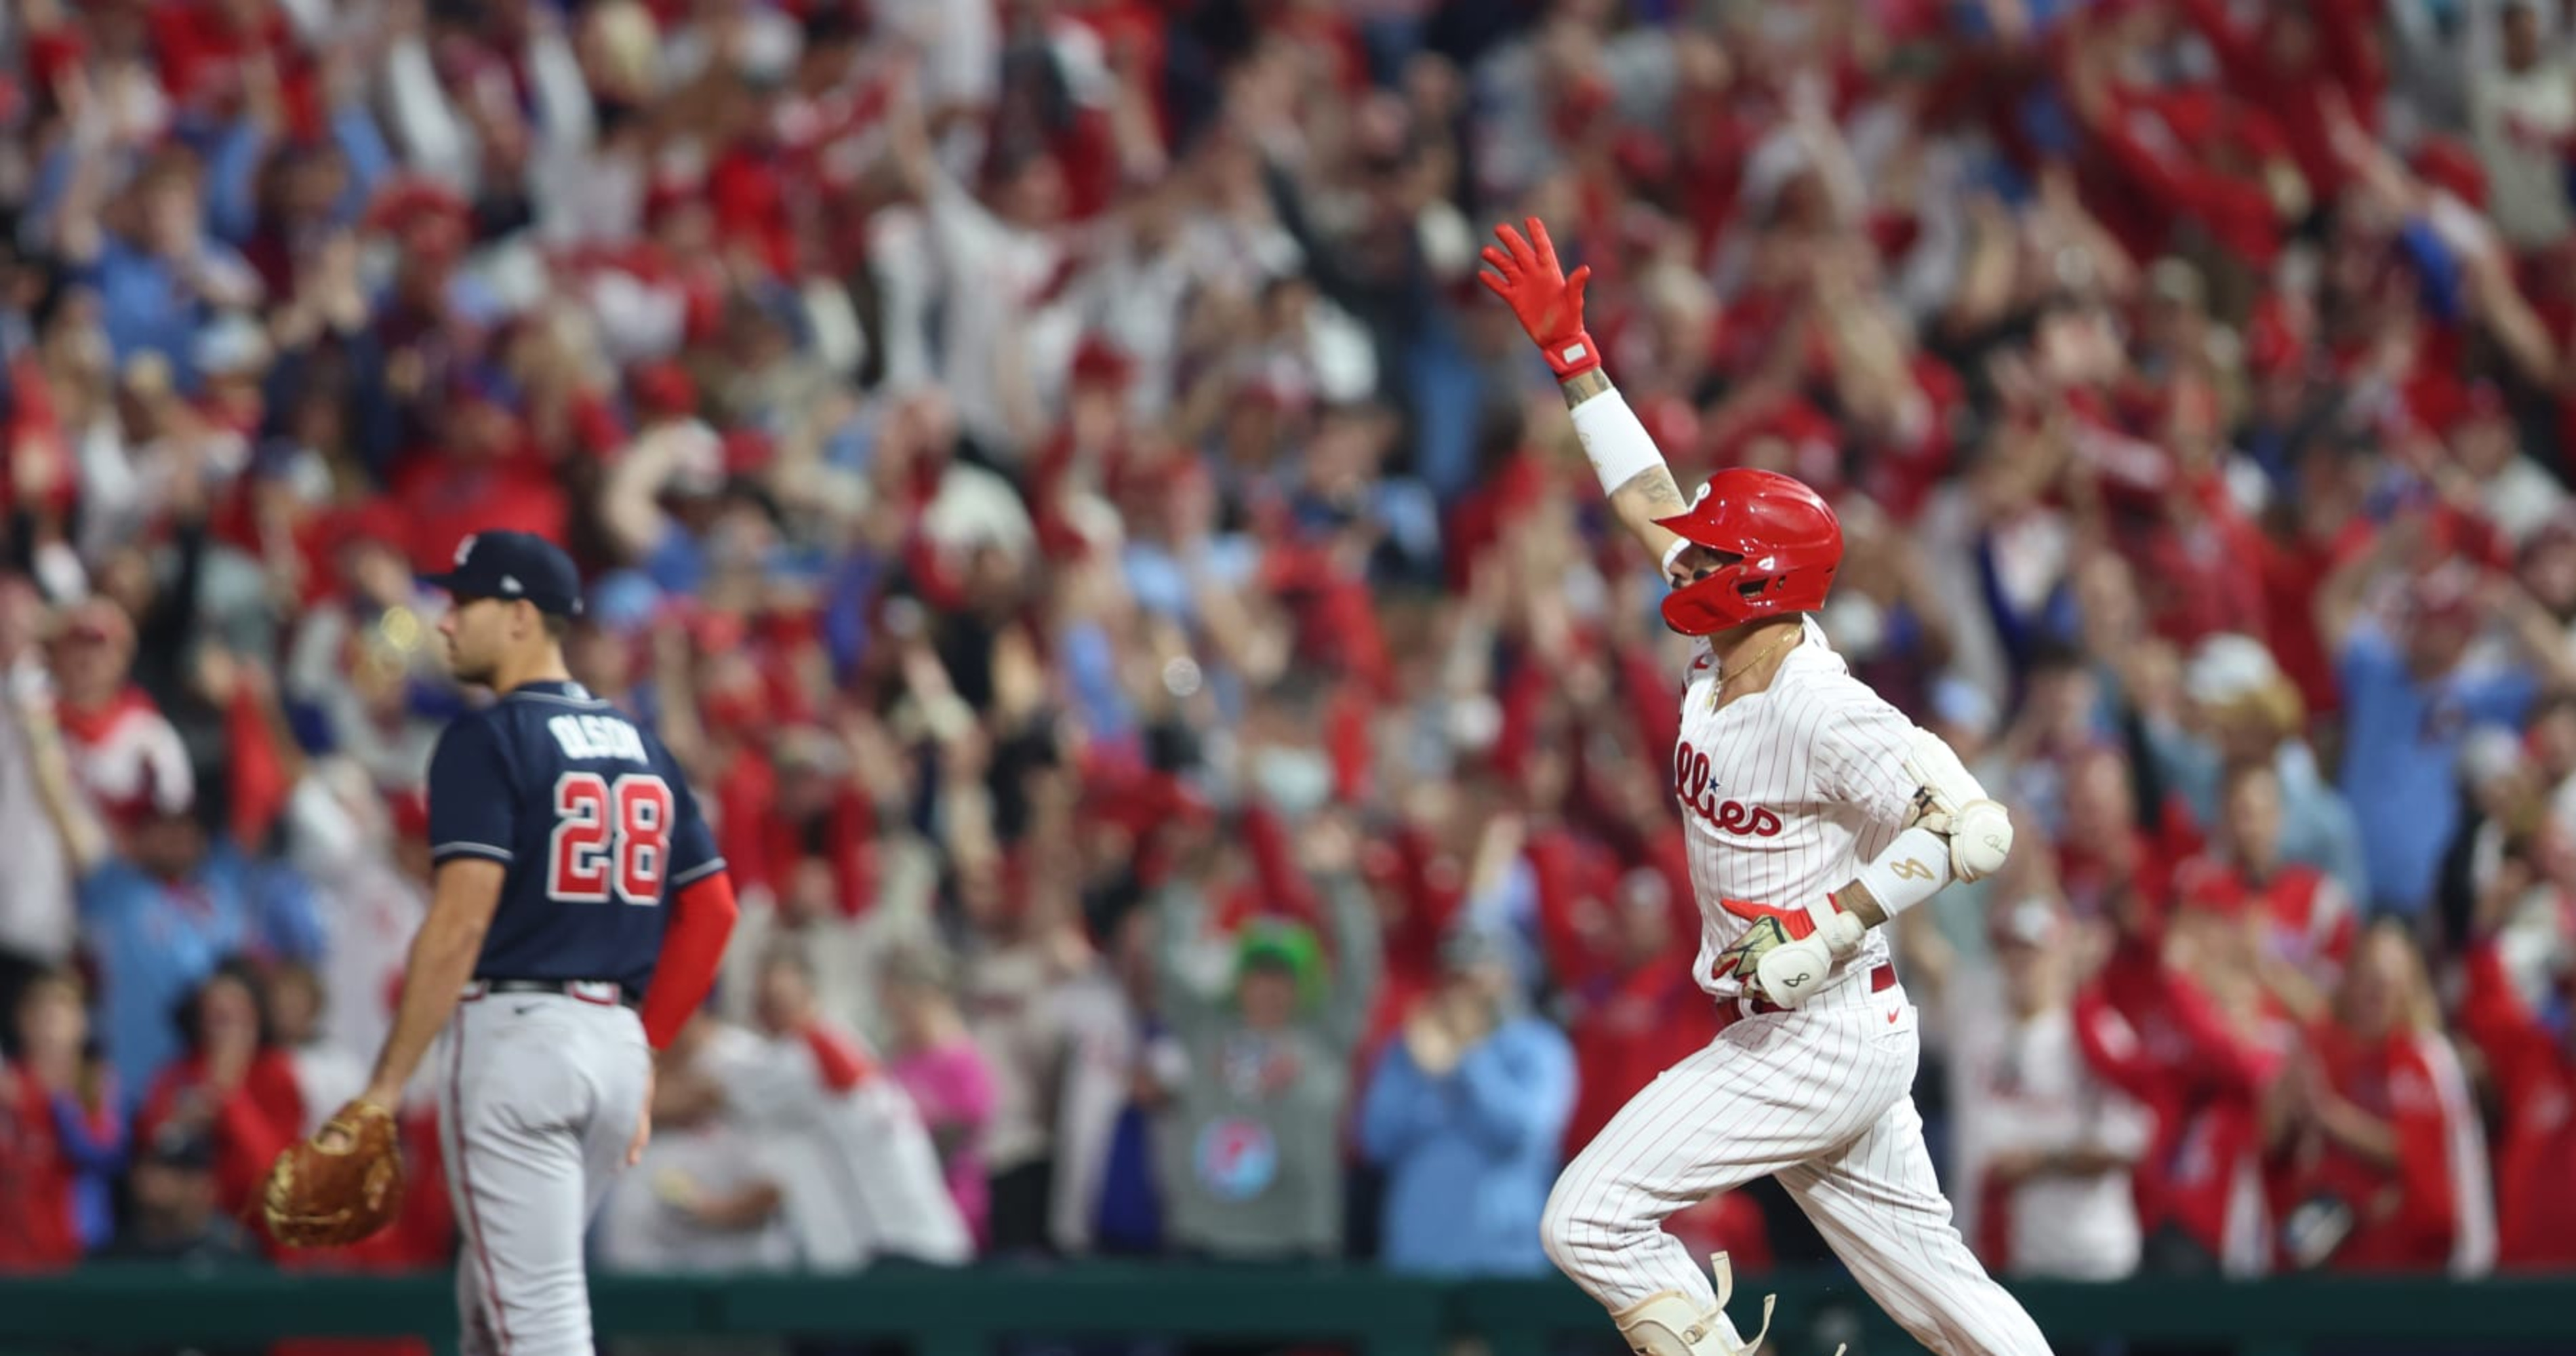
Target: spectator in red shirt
{"type": "Point", "coordinates": [233, 1086]}
{"type": "Point", "coordinates": [2183, 983]}
{"type": "Point", "coordinates": [2386, 1163]}
{"type": "Point", "coordinates": [2533, 1072]}
{"type": "Point", "coordinates": [1638, 1015]}
{"type": "Point", "coordinates": [61, 1139]}
{"type": "Point", "coordinates": [2302, 918]}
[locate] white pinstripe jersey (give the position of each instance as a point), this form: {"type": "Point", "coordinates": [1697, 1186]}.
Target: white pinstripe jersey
{"type": "Point", "coordinates": [1785, 793]}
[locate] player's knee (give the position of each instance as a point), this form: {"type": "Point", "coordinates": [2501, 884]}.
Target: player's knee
{"type": "Point", "coordinates": [1578, 1229]}
{"type": "Point", "coordinates": [1556, 1228]}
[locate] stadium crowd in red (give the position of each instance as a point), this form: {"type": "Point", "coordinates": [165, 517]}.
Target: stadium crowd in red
{"type": "Point", "coordinates": [1043, 460]}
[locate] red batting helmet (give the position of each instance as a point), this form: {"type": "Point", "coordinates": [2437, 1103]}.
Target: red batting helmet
{"type": "Point", "coordinates": [1788, 538]}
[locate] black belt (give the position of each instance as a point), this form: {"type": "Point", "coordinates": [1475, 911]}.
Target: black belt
{"type": "Point", "coordinates": [605, 992]}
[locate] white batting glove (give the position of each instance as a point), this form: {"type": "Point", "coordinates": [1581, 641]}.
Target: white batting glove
{"type": "Point", "coordinates": [1791, 972]}
{"type": "Point", "coordinates": [1954, 805]}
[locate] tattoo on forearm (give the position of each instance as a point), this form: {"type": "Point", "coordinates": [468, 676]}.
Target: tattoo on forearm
{"type": "Point", "coordinates": [1655, 488]}
{"type": "Point", "coordinates": [1582, 386]}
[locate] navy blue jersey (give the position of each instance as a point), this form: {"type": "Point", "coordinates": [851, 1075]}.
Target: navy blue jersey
{"type": "Point", "coordinates": [591, 816]}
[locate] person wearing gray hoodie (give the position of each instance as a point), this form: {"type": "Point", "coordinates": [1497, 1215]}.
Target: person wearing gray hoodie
{"type": "Point", "coordinates": [1250, 1152]}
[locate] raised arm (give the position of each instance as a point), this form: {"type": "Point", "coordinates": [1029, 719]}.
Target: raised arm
{"type": "Point", "coordinates": [1524, 272]}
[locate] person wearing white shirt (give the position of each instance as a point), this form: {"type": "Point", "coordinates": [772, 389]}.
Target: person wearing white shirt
{"type": "Point", "coordinates": [2045, 1147]}
{"type": "Point", "coordinates": [37, 918]}
{"type": "Point", "coordinates": [856, 1173]}
{"type": "Point", "coordinates": [2522, 114]}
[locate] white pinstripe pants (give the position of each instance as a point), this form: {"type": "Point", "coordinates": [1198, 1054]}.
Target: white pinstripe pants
{"type": "Point", "coordinates": [1822, 1098]}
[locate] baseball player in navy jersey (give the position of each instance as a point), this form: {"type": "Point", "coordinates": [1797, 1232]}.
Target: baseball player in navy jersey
{"type": "Point", "coordinates": [578, 913]}
{"type": "Point", "coordinates": [1815, 813]}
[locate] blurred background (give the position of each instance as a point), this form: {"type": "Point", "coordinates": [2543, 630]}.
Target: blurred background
{"type": "Point", "coordinates": [1195, 758]}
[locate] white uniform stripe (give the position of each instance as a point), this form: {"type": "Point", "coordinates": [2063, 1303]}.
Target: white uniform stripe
{"type": "Point", "coordinates": [1784, 795]}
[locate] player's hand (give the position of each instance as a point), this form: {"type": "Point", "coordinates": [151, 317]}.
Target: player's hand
{"type": "Point", "coordinates": [1435, 1051]}
{"type": "Point", "coordinates": [643, 1122]}
{"type": "Point", "coordinates": [1525, 274]}
{"type": "Point", "coordinates": [1790, 973]}
{"type": "Point", "coordinates": [1788, 970]}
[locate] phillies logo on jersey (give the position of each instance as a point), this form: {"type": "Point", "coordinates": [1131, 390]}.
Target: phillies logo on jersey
{"type": "Point", "coordinates": [1691, 784]}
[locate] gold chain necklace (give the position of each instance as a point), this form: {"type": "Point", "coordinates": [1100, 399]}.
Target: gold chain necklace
{"type": "Point", "coordinates": [1718, 688]}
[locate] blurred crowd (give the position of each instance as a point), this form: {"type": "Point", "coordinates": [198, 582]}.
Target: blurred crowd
{"type": "Point", "coordinates": [1194, 757]}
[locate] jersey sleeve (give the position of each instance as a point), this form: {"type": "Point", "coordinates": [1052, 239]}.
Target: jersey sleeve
{"type": "Point", "coordinates": [693, 843]}
{"type": "Point", "coordinates": [1861, 751]}
{"type": "Point", "coordinates": [473, 795]}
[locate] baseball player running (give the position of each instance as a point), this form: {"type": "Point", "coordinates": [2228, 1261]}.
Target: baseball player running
{"type": "Point", "coordinates": [1815, 813]}
{"type": "Point", "coordinates": [579, 912]}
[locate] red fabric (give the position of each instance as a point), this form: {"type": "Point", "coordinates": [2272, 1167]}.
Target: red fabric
{"type": "Point", "coordinates": [1433, 885]}
{"type": "Point", "coordinates": [86, 726]}
{"type": "Point", "coordinates": [1350, 740]}
{"type": "Point", "coordinates": [844, 835]}
{"type": "Point", "coordinates": [1285, 888]}
{"type": "Point", "coordinates": [746, 793]}
{"type": "Point", "coordinates": [201, 50]}
{"type": "Point", "coordinates": [36, 1231]}
{"type": "Point", "coordinates": [2196, 550]}
{"type": "Point", "coordinates": [702, 917]}
{"type": "Point", "coordinates": [252, 1124]}
{"type": "Point", "coordinates": [843, 1064]}
{"type": "Point", "coordinates": [2088, 872]}
{"type": "Point", "coordinates": [2404, 1217]}
{"type": "Point", "coordinates": [750, 200]}
{"type": "Point", "coordinates": [2534, 1075]}
{"type": "Point", "coordinates": [1627, 1029]}
{"type": "Point", "coordinates": [1578, 883]}
{"type": "Point", "coordinates": [2291, 571]}
{"type": "Point", "coordinates": [2306, 919]}
{"type": "Point", "coordinates": [34, 430]}
{"type": "Point", "coordinates": [2201, 1080]}
{"type": "Point", "coordinates": [2297, 96]}
{"type": "Point", "coordinates": [446, 500]}
{"type": "Point", "coordinates": [260, 784]}
{"type": "Point", "coordinates": [1486, 512]}
{"type": "Point", "coordinates": [2155, 167]}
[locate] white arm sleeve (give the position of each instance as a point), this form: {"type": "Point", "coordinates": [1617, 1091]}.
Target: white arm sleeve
{"type": "Point", "coordinates": [1614, 441]}
{"type": "Point", "coordinates": [1913, 868]}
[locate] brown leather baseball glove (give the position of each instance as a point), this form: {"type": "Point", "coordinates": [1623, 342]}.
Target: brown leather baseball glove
{"type": "Point", "coordinates": [339, 1186]}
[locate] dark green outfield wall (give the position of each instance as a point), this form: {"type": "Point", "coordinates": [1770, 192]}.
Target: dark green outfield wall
{"type": "Point", "coordinates": [960, 1313]}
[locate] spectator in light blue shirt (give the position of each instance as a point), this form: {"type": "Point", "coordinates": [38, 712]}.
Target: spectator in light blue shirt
{"type": "Point", "coordinates": [2412, 691]}
{"type": "Point", "coordinates": [160, 918]}
{"type": "Point", "coordinates": [167, 279]}
{"type": "Point", "coordinates": [2242, 707]}
{"type": "Point", "coordinates": [1466, 1114]}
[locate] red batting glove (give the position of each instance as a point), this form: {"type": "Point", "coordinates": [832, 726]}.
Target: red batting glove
{"type": "Point", "coordinates": [1548, 303]}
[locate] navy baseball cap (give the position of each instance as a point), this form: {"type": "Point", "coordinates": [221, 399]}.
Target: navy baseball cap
{"type": "Point", "coordinates": [514, 567]}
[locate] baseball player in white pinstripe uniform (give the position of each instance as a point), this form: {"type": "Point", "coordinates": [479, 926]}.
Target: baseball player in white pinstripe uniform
{"type": "Point", "coordinates": [1816, 813]}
